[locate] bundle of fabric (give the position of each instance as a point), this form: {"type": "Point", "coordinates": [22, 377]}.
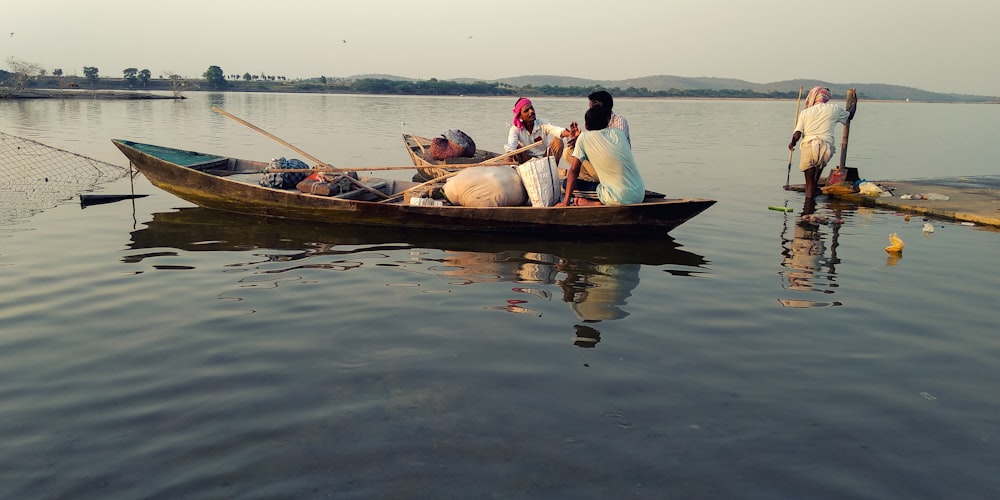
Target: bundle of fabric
{"type": "Point", "coordinates": [452, 144]}
{"type": "Point", "coordinates": [283, 180]}
{"type": "Point", "coordinates": [325, 185]}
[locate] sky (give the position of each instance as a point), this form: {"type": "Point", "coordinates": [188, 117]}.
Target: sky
{"type": "Point", "coordinates": [949, 47]}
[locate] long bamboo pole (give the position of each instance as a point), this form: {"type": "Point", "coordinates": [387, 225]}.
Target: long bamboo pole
{"type": "Point", "coordinates": [276, 138]}
{"type": "Point", "coordinates": [485, 163]}
{"type": "Point", "coordinates": [795, 123]}
{"type": "Point", "coordinates": [326, 166]}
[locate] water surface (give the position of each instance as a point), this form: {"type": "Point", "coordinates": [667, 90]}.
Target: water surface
{"type": "Point", "coordinates": [157, 350]}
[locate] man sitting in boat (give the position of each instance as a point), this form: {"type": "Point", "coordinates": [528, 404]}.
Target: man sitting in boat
{"type": "Point", "coordinates": [527, 129]}
{"type": "Point", "coordinates": [608, 150]}
{"type": "Point", "coordinates": [588, 178]}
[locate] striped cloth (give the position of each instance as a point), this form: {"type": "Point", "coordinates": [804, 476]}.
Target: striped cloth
{"type": "Point", "coordinates": [817, 95]}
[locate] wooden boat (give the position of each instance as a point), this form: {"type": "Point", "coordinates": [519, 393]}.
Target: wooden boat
{"type": "Point", "coordinates": [428, 168]}
{"type": "Point", "coordinates": [230, 184]}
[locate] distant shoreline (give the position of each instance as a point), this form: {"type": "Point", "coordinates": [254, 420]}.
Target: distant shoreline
{"type": "Point", "coordinates": [13, 86]}
{"type": "Point", "coordinates": [83, 94]}
{"type": "Point", "coordinates": [111, 94]}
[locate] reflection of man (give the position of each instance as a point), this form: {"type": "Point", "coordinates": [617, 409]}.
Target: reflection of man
{"type": "Point", "coordinates": [521, 267]}
{"type": "Point", "coordinates": [597, 293]}
{"type": "Point", "coordinates": [804, 254]}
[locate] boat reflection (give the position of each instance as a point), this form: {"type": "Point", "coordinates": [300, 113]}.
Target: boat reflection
{"type": "Point", "coordinates": [807, 266]}
{"type": "Point", "coordinates": [595, 278]}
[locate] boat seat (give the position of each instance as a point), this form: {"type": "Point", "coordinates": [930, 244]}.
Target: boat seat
{"type": "Point", "coordinates": [384, 186]}
{"type": "Point", "coordinates": [220, 164]}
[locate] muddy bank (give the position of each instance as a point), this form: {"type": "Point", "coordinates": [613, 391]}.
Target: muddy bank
{"type": "Point", "coordinates": [82, 94]}
{"type": "Point", "coordinates": [975, 199]}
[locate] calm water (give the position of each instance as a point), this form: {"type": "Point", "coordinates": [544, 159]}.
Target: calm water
{"type": "Point", "coordinates": [157, 350]}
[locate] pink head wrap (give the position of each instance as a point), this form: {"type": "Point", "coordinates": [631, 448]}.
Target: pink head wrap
{"type": "Point", "coordinates": [518, 106]}
{"type": "Point", "coordinates": [817, 95]}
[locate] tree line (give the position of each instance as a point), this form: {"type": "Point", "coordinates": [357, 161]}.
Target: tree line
{"type": "Point", "coordinates": [214, 78]}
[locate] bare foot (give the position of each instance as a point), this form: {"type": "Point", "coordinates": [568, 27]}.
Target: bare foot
{"type": "Point", "coordinates": [584, 202]}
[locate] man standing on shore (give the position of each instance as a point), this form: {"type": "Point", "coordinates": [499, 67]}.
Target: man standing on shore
{"type": "Point", "coordinates": [815, 126]}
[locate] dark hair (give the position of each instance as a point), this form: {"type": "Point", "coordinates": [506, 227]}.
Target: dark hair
{"type": "Point", "coordinates": [602, 97]}
{"type": "Point", "coordinates": [597, 118]}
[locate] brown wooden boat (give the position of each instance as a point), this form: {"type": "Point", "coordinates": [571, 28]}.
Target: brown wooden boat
{"type": "Point", "coordinates": [428, 168]}
{"type": "Point", "coordinates": [231, 185]}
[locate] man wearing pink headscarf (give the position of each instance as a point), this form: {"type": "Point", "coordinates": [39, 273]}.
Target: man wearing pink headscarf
{"type": "Point", "coordinates": [815, 126]}
{"type": "Point", "coordinates": [527, 129]}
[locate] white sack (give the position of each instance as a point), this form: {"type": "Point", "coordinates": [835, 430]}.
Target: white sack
{"type": "Point", "coordinates": [486, 187]}
{"type": "Point", "coordinates": [541, 181]}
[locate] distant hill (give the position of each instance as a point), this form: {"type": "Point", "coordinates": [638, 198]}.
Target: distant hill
{"type": "Point", "coordinates": [874, 91]}
{"type": "Point", "coordinates": [385, 77]}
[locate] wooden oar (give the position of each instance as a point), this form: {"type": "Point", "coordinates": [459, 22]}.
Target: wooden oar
{"type": "Point", "coordinates": [364, 169]}
{"type": "Point", "coordinates": [326, 166]}
{"type": "Point", "coordinates": [276, 138]}
{"type": "Point", "coordinates": [379, 169]}
{"type": "Point", "coordinates": [788, 175]}
{"type": "Point", "coordinates": [484, 163]}
{"type": "Point", "coordinates": [851, 97]}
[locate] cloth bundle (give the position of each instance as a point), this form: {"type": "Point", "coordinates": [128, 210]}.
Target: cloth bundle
{"type": "Point", "coordinates": [283, 180]}
{"type": "Point", "coordinates": [452, 144]}
{"type": "Point", "coordinates": [323, 185]}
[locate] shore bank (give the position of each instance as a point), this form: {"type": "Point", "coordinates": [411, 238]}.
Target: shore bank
{"type": "Point", "coordinates": [83, 94]}
{"type": "Point", "coordinates": [972, 199]}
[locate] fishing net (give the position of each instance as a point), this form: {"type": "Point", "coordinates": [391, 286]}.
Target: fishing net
{"type": "Point", "coordinates": [35, 177]}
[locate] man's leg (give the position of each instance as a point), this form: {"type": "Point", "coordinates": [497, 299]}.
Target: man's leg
{"type": "Point", "coordinates": [823, 155]}
{"type": "Point", "coordinates": [810, 178]}
{"type": "Point", "coordinates": [556, 149]}
{"type": "Point", "coordinates": [588, 172]}
{"type": "Point", "coordinates": [808, 168]}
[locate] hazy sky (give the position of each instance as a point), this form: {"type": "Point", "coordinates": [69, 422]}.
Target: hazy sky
{"type": "Point", "coordinates": [936, 46]}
